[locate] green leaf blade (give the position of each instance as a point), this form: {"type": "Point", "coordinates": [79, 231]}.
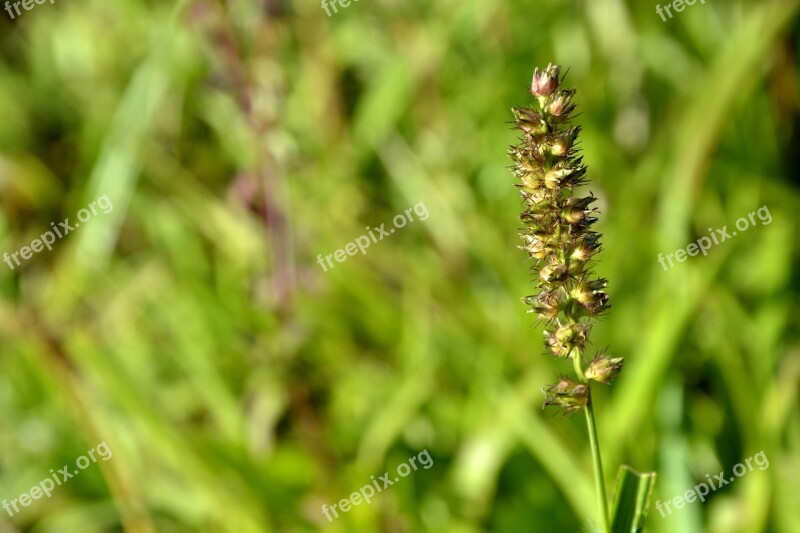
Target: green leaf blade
{"type": "Point", "coordinates": [631, 500]}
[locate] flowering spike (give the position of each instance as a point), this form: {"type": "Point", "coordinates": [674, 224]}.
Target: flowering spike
{"type": "Point", "coordinates": [558, 234]}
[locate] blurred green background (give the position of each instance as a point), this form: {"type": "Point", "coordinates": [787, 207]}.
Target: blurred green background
{"type": "Point", "coordinates": [240, 387]}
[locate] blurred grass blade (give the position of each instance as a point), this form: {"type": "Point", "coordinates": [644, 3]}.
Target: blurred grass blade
{"type": "Point", "coordinates": [631, 500]}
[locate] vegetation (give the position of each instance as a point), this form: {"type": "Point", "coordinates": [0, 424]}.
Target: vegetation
{"type": "Point", "coordinates": [240, 387]}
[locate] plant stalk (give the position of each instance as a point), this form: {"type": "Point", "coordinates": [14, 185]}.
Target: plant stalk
{"type": "Point", "coordinates": [597, 462]}
{"type": "Point", "coordinates": [600, 485]}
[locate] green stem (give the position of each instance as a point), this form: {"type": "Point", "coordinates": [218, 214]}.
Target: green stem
{"type": "Point", "coordinates": [577, 362]}
{"type": "Point", "coordinates": [598, 464]}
